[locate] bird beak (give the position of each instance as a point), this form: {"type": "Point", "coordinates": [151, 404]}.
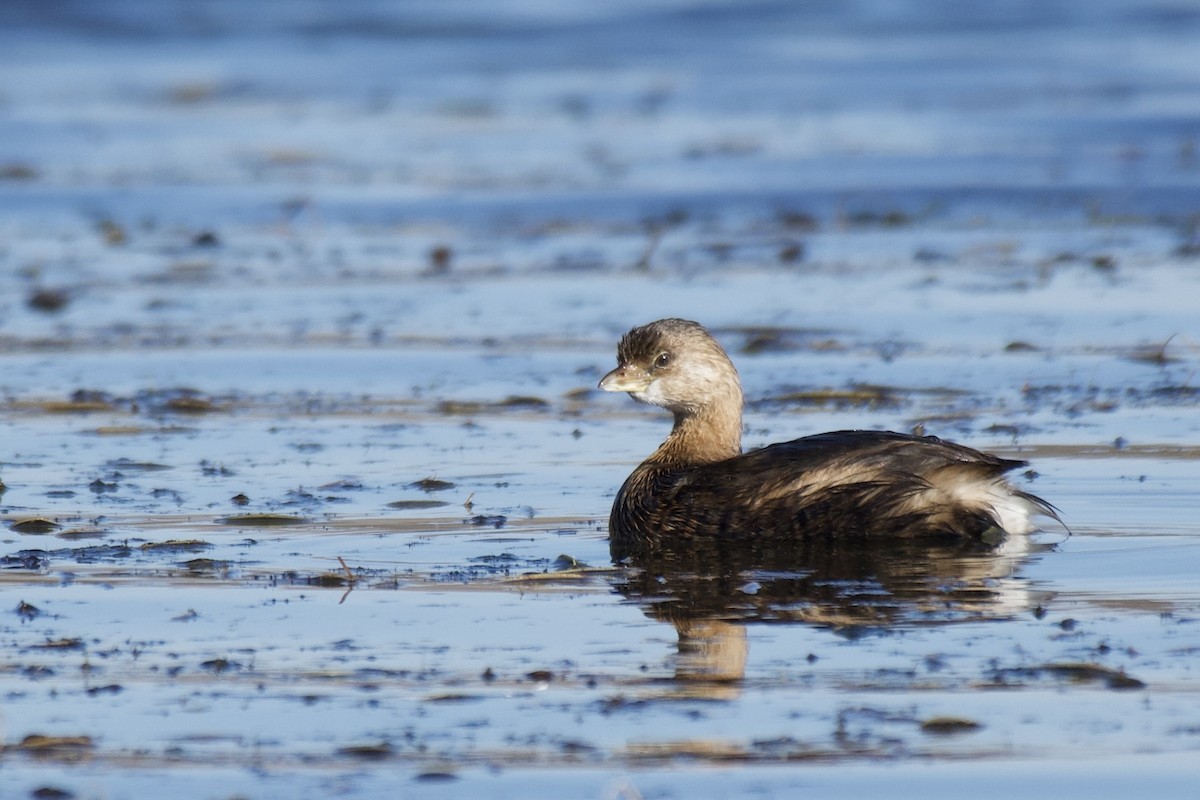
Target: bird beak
{"type": "Point", "coordinates": [625, 378]}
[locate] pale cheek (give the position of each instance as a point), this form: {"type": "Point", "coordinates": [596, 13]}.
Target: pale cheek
{"type": "Point", "coordinates": [653, 395]}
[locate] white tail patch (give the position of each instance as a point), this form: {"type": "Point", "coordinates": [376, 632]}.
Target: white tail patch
{"type": "Point", "coordinates": [1012, 511]}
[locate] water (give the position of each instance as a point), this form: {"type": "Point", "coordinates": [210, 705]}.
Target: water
{"type": "Point", "coordinates": [301, 311]}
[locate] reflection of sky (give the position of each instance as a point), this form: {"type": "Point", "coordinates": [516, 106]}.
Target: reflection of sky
{"type": "Point", "coordinates": [961, 177]}
{"type": "Point", "coordinates": [656, 96]}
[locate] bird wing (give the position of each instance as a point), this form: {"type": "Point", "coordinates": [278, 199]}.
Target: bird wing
{"type": "Point", "coordinates": [838, 484]}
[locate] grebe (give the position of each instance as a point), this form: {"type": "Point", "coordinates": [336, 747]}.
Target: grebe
{"type": "Point", "coordinates": [843, 486]}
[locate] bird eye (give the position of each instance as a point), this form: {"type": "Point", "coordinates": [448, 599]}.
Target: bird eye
{"type": "Point", "coordinates": [663, 360]}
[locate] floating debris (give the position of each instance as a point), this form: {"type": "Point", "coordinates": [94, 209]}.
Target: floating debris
{"type": "Point", "coordinates": [343, 485]}
{"type": "Point", "coordinates": [191, 404]}
{"type": "Point", "coordinates": [791, 253]}
{"type": "Point", "coordinates": [18, 172]}
{"type": "Point", "coordinates": [176, 546]}
{"type": "Point", "coordinates": [93, 554]}
{"type": "Point", "coordinates": [34, 525]}
{"type": "Point", "coordinates": [767, 339]}
{"type": "Point", "coordinates": [503, 559]}
{"type": "Point", "coordinates": [263, 520]}
{"type": "Point", "coordinates": [1089, 673]}
{"type": "Point", "coordinates": [131, 465]}
{"type": "Point", "coordinates": [367, 752]}
{"type": "Point", "coordinates": [330, 579]}
{"type": "Point", "coordinates": [65, 748]}
{"type": "Point", "coordinates": [435, 776]}
{"type": "Point", "coordinates": [431, 485]}
{"type": "Point", "coordinates": [411, 505]}
{"type": "Point", "coordinates": [113, 233]}
{"type": "Point", "coordinates": [81, 401]}
{"type": "Point", "coordinates": [204, 566]}
{"type": "Point", "coordinates": [1153, 354]}
{"type": "Point", "coordinates": [886, 219]}
{"type": "Point", "coordinates": [948, 726]}
{"type": "Point", "coordinates": [49, 301]}
{"type": "Point", "coordinates": [439, 260]}
{"type": "Point", "coordinates": [452, 407]}
{"type": "Point", "coordinates": [522, 401]}
{"type": "Point", "coordinates": [206, 239]}
{"type": "Point", "coordinates": [464, 407]}
{"type": "Point", "coordinates": [27, 611]}
{"type": "Point", "coordinates": [856, 396]}
{"type": "Point", "coordinates": [48, 792]}
{"type": "Point", "coordinates": [798, 221]}
{"type": "Point", "coordinates": [73, 643]}
{"type": "Point", "coordinates": [74, 534]}
{"type": "Point", "coordinates": [1075, 673]}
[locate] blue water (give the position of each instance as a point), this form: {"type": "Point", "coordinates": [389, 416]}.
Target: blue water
{"type": "Point", "coordinates": [987, 214]}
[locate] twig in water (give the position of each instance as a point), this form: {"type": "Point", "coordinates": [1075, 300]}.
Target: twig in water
{"type": "Point", "coordinates": [350, 580]}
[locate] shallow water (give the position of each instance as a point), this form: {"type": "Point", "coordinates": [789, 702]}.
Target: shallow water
{"type": "Point", "coordinates": [297, 505]}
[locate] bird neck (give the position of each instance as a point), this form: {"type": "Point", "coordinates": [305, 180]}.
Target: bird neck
{"type": "Point", "coordinates": [712, 433]}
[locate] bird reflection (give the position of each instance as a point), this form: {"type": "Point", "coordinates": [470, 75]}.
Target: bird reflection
{"type": "Point", "coordinates": [711, 590]}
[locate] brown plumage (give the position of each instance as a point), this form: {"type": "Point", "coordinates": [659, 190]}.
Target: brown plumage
{"type": "Point", "coordinates": [836, 486]}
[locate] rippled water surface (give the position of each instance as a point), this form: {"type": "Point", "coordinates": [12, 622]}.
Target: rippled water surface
{"type": "Point", "coordinates": [306, 481]}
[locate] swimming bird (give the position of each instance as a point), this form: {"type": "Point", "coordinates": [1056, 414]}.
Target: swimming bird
{"type": "Point", "coordinates": [845, 486]}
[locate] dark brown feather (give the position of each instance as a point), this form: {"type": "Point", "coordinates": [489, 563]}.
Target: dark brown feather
{"type": "Point", "coordinates": [839, 486]}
